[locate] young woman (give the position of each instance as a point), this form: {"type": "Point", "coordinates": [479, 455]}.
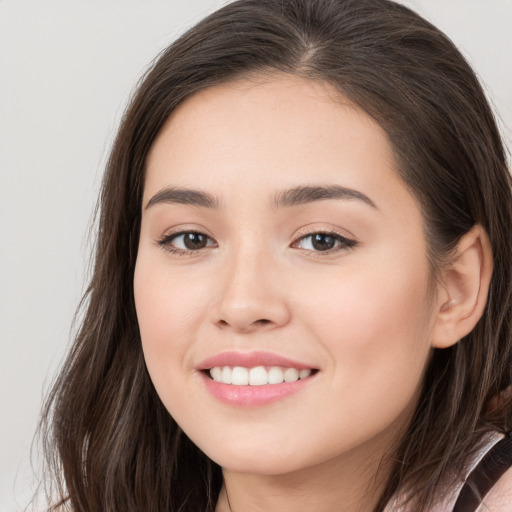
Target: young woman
{"type": "Point", "coordinates": [302, 296]}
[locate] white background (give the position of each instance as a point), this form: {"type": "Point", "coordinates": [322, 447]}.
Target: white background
{"type": "Point", "coordinates": [67, 68]}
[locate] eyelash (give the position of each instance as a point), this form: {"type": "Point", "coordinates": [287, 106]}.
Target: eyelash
{"type": "Point", "coordinates": [166, 241]}
{"type": "Point", "coordinates": [344, 243]}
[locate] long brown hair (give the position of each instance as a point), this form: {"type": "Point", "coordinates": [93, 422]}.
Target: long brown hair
{"type": "Point", "coordinates": [110, 443]}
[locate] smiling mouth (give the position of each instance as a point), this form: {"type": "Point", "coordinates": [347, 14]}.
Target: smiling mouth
{"type": "Point", "coordinates": [258, 375]}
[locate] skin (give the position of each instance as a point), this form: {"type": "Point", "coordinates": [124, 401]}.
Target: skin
{"type": "Point", "coordinates": [364, 316]}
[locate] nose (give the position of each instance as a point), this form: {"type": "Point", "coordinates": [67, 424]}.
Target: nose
{"type": "Point", "coordinates": [250, 297]}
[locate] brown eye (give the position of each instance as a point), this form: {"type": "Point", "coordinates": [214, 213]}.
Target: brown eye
{"type": "Point", "coordinates": [193, 241]}
{"type": "Point", "coordinates": [324, 242]}
{"type": "Point", "coordinates": [186, 241]}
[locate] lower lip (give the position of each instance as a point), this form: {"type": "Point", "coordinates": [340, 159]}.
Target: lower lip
{"type": "Point", "coordinates": [251, 396]}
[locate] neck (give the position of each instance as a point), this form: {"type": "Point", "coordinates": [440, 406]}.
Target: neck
{"type": "Point", "coordinates": [343, 483]}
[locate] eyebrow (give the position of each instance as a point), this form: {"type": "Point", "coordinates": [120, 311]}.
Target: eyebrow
{"type": "Point", "coordinates": [176, 195]}
{"type": "Point", "coordinates": [286, 198]}
{"type": "Point", "coordinates": [308, 194]}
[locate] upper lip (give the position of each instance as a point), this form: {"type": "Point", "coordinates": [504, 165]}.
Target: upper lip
{"type": "Point", "coordinates": [250, 360]}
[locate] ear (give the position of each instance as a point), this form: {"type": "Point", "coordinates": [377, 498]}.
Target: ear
{"type": "Point", "coordinates": [463, 288]}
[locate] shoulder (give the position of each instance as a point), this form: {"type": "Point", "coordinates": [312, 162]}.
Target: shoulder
{"type": "Point", "coordinates": [499, 498]}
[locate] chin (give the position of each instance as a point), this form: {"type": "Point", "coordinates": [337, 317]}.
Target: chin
{"type": "Point", "coordinates": [259, 459]}
{"type": "Point", "coordinates": [258, 465]}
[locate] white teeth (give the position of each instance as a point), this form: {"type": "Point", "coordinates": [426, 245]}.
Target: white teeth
{"type": "Point", "coordinates": [304, 374]}
{"type": "Point", "coordinates": [291, 375]}
{"type": "Point", "coordinates": [275, 375]}
{"type": "Point", "coordinates": [227, 372]}
{"type": "Point", "coordinates": [216, 374]}
{"type": "Point", "coordinates": [257, 376]}
{"type": "Point", "coordinates": [240, 376]}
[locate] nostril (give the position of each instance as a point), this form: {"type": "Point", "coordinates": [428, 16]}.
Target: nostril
{"type": "Point", "coordinates": [257, 323]}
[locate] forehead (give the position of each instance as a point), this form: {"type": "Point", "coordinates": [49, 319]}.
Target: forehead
{"type": "Point", "coordinates": [269, 133]}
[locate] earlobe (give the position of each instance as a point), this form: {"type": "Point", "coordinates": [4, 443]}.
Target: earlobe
{"type": "Point", "coordinates": [462, 292]}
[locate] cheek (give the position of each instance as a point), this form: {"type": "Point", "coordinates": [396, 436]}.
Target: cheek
{"type": "Point", "coordinates": [167, 299]}
{"type": "Point", "coordinates": [365, 304]}
{"type": "Point", "coordinates": [375, 328]}
{"type": "Point", "coordinates": [169, 312]}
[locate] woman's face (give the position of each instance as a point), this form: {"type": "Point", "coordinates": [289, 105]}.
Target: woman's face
{"type": "Point", "coordinates": [278, 239]}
